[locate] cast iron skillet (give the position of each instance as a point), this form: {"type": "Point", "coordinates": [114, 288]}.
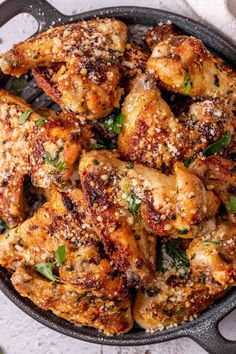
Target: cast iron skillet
{"type": "Point", "coordinates": [204, 330]}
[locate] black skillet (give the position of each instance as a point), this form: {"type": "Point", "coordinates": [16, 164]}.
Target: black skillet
{"type": "Point", "coordinates": [204, 330]}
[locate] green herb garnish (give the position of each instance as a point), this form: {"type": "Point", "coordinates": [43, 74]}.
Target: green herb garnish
{"type": "Point", "coordinates": [53, 161]}
{"type": "Point", "coordinates": [23, 118]}
{"type": "Point", "coordinates": [203, 277]}
{"type": "Point", "coordinates": [46, 268]}
{"type": "Point", "coordinates": [184, 231]}
{"type": "Point", "coordinates": [70, 269]}
{"type": "Point", "coordinates": [187, 163]}
{"type": "Point", "coordinates": [40, 122]}
{"type": "Point", "coordinates": [187, 84]}
{"type": "Point", "coordinates": [130, 165]}
{"type": "Point", "coordinates": [179, 311]}
{"type": "Point", "coordinates": [178, 255]}
{"type": "Point", "coordinates": [216, 147]}
{"type": "Point", "coordinates": [60, 254]}
{"type": "Point", "coordinates": [206, 243]}
{"type": "Point", "coordinates": [17, 85]}
{"type": "Point", "coordinates": [95, 162]}
{"type": "Point", "coordinates": [217, 81]}
{"type": "Point", "coordinates": [3, 225]}
{"type": "Point", "coordinates": [134, 203]}
{"type": "Point", "coordinates": [231, 205]}
{"type": "Point", "coordinates": [114, 123]}
{"type": "Point", "coordinates": [35, 56]}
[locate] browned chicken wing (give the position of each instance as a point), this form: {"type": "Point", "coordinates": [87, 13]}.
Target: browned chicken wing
{"type": "Point", "coordinates": [83, 288]}
{"type": "Point", "coordinates": [182, 64]}
{"type": "Point", "coordinates": [89, 53]}
{"type": "Point", "coordinates": [160, 34]}
{"type": "Point", "coordinates": [152, 135]}
{"type": "Point", "coordinates": [43, 147]}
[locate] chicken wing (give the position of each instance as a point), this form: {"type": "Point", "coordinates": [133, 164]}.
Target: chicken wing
{"type": "Point", "coordinates": [133, 64]}
{"type": "Point", "coordinates": [160, 33]}
{"type": "Point", "coordinates": [125, 200]}
{"type": "Point", "coordinates": [83, 288]}
{"type": "Point", "coordinates": [89, 53]}
{"type": "Point", "coordinates": [218, 174]}
{"type": "Point", "coordinates": [189, 278]}
{"type": "Point", "coordinates": [152, 135]}
{"type": "Point", "coordinates": [43, 147]}
{"type": "Point", "coordinates": [182, 64]}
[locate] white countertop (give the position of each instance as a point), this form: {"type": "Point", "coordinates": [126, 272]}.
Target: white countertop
{"type": "Point", "coordinates": [19, 334]}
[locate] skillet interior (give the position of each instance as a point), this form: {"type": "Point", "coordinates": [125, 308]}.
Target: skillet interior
{"type": "Point", "coordinates": [203, 329]}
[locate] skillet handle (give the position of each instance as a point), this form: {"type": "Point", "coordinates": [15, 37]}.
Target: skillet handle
{"type": "Point", "coordinates": [44, 13]}
{"type": "Point", "coordinates": [208, 337]}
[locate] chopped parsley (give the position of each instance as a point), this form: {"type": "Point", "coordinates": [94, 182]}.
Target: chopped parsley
{"type": "Point", "coordinates": [129, 165]}
{"type": "Point", "coordinates": [179, 311]}
{"type": "Point", "coordinates": [231, 205]}
{"type": "Point", "coordinates": [187, 163]}
{"type": "Point", "coordinates": [184, 231]}
{"type": "Point", "coordinates": [216, 147]}
{"type": "Point", "coordinates": [3, 226]}
{"type": "Point", "coordinates": [187, 84]}
{"type": "Point", "coordinates": [70, 269]}
{"type": "Point", "coordinates": [217, 80]}
{"type": "Point", "coordinates": [54, 161]}
{"type": "Point", "coordinates": [203, 277]}
{"type": "Point", "coordinates": [207, 243]}
{"type": "Point", "coordinates": [23, 118]}
{"type": "Point", "coordinates": [134, 203]}
{"type": "Point", "coordinates": [60, 254]}
{"type": "Point", "coordinates": [46, 268]}
{"type": "Point", "coordinates": [35, 56]}
{"type": "Point", "coordinates": [114, 122]}
{"type": "Point", "coordinates": [177, 254]}
{"type": "Point", "coordinates": [40, 122]}
{"type": "Point", "coordinates": [95, 162]}
{"type": "Point", "coordinates": [17, 85]}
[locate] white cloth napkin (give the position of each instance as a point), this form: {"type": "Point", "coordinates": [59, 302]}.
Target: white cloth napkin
{"type": "Point", "coordinates": [217, 13]}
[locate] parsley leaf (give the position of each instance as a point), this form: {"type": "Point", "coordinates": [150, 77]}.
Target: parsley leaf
{"type": "Point", "coordinates": [134, 203]}
{"type": "Point", "coordinates": [178, 255]}
{"type": "Point", "coordinates": [179, 311]}
{"type": "Point", "coordinates": [17, 85]}
{"type": "Point", "coordinates": [3, 226]}
{"type": "Point", "coordinates": [61, 255]}
{"type": "Point", "coordinates": [40, 122]}
{"type": "Point", "coordinates": [53, 161]}
{"type": "Point", "coordinates": [114, 122]}
{"type": "Point", "coordinates": [183, 231]}
{"type": "Point", "coordinates": [231, 205]}
{"type": "Point", "coordinates": [129, 165]}
{"type": "Point", "coordinates": [23, 118]}
{"type": "Point", "coordinates": [46, 270]}
{"type": "Point", "coordinates": [159, 256]}
{"type": "Point", "coordinates": [216, 147]}
{"type": "Point", "coordinates": [187, 84]}
{"type": "Point", "coordinates": [206, 243]}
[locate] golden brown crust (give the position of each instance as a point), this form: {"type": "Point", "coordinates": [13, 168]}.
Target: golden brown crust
{"type": "Point", "coordinates": [90, 54]}
{"type": "Point", "coordinates": [152, 135]}
{"type": "Point", "coordinates": [160, 34]}
{"type": "Point", "coordinates": [24, 149]}
{"type": "Point", "coordinates": [90, 292]}
{"type": "Point", "coordinates": [182, 64]}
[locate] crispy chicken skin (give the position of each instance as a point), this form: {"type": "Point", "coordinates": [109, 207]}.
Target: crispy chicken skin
{"type": "Point", "coordinates": [87, 82]}
{"type": "Point", "coordinates": [91, 292]}
{"type": "Point", "coordinates": [152, 135]}
{"type": "Point", "coordinates": [177, 293]}
{"type": "Point", "coordinates": [160, 34]}
{"type": "Point", "coordinates": [218, 174]}
{"type": "Point", "coordinates": [125, 200]}
{"type": "Point", "coordinates": [182, 64]}
{"type": "Point", "coordinates": [133, 64]}
{"type": "Point", "coordinates": [46, 153]}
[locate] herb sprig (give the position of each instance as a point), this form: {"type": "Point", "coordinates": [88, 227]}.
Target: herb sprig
{"type": "Point", "coordinates": [216, 147]}
{"type": "Point", "coordinates": [54, 161]}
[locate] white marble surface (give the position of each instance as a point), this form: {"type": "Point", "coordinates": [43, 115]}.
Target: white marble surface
{"type": "Point", "coordinates": [19, 334]}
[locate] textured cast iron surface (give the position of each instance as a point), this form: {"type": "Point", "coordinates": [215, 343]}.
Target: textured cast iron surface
{"type": "Point", "coordinates": [204, 329]}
